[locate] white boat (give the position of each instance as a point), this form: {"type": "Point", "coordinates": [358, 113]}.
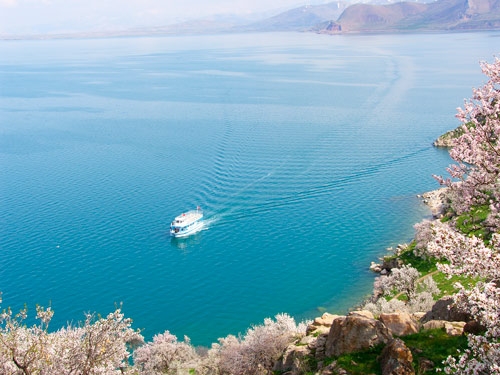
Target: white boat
{"type": "Point", "coordinates": [187, 223]}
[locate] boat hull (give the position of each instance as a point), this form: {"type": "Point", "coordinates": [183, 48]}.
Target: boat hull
{"type": "Point", "coordinates": [195, 228]}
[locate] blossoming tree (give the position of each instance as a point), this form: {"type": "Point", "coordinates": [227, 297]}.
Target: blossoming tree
{"type": "Point", "coordinates": [100, 345]}
{"type": "Point", "coordinates": [477, 150]}
{"type": "Point", "coordinates": [475, 181]}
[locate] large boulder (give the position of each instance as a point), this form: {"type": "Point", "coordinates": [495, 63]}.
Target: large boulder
{"type": "Point", "coordinates": [396, 359]}
{"type": "Point", "coordinates": [454, 328]}
{"type": "Point", "coordinates": [363, 313]}
{"type": "Point", "coordinates": [474, 327]}
{"type": "Point", "coordinates": [434, 324]}
{"type": "Point", "coordinates": [390, 263]}
{"type": "Point", "coordinates": [321, 324]}
{"type": "Point", "coordinates": [451, 328]}
{"type": "Point", "coordinates": [355, 332]}
{"type": "Point", "coordinates": [292, 362]}
{"type": "Point", "coordinates": [319, 347]}
{"type": "Point", "coordinates": [445, 309]}
{"type": "Point", "coordinates": [400, 323]}
{"type": "Point", "coordinates": [437, 201]}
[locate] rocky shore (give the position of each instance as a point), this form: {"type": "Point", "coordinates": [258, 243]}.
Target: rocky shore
{"type": "Point", "coordinates": [335, 335]}
{"type": "Point", "coordinates": [436, 201]}
{"type": "Point", "coordinates": [447, 140]}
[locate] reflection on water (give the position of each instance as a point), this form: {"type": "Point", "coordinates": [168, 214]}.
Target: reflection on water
{"type": "Point", "coordinates": [182, 243]}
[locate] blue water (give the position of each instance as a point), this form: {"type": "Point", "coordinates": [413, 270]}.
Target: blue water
{"type": "Point", "coordinates": [306, 153]}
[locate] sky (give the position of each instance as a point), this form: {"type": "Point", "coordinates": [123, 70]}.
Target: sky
{"type": "Point", "coordinates": [56, 16]}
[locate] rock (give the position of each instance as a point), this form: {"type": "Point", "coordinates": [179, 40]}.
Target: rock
{"type": "Point", "coordinates": [319, 330]}
{"type": "Point", "coordinates": [319, 347]}
{"type": "Point", "coordinates": [363, 313]}
{"type": "Point", "coordinates": [448, 139]}
{"type": "Point", "coordinates": [451, 328]}
{"type": "Point", "coordinates": [474, 327]}
{"type": "Point", "coordinates": [444, 309]}
{"type": "Point", "coordinates": [332, 369]}
{"type": "Point", "coordinates": [375, 267]}
{"type": "Point", "coordinates": [396, 359]}
{"type": "Point", "coordinates": [437, 202]}
{"type": "Point", "coordinates": [308, 340]}
{"type": "Point", "coordinates": [355, 332]}
{"type": "Point", "coordinates": [399, 324]}
{"type": "Point", "coordinates": [326, 319]}
{"type": "Point", "coordinates": [390, 263]}
{"type": "Point", "coordinates": [292, 362]}
{"type": "Point", "coordinates": [417, 316]}
{"type": "Point", "coordinates": [401, 248]}
{"type": "Point", "coordinates": [434, 324]}
{"type": "Point", "coordinates": [425, 365]}
{"type": "Point", "coordinates": [321, 324]}
{"type": "Point", "coordinates": [454, 328]}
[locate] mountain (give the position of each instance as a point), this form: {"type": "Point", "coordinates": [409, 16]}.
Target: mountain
{"type": "Point", "coordinates": [457, 15]}
{"type": "Point", "coordinates": [299, 19]}
{"type": "Point", "coordinates": [341, 16]}
{"type": "Point", "coordinates": [445, 15]}
{"type": "Point", "coordinates": [381, 16]}
{"type": "Point", "coordinates": [376, 17]}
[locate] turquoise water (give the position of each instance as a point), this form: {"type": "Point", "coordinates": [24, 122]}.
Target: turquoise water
{"type": "Point", "coordinates": [306, 153]}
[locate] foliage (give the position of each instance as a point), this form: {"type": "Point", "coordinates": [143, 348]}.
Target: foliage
{"type": "Point", "coordinates": [97, 346]}
{"type": "Point", "coordinates": [477, 151]}
{"type": "Point", "coordinates": [470, 256]}
{"type": "Point", "coordinates": [103, 345]}
{"type": "Point", "coordinates": [474, 189]}
{"type": "Point", "coordinates": [417, 294]}
{"type": "Point", "coordinates": [257, 350]}
{"type": "Point", "coordinates": [165, 355]}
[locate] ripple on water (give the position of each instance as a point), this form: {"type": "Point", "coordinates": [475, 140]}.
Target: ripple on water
{"type": "Point", "coordinates": [296, 162]}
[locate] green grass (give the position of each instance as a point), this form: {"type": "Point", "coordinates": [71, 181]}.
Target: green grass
{"type": "Point", "coordinates": [364, 362]}
{"type": "Point", "coordinates": [447, 285]}
{"type": "Point", "coordinates": [434, 345]}
{"type": "Point", "coordinates": [471, 223]}
{"type": "Point", "coordinates": [427, 266]}
{"type": "Point", "coordinates": [424, 266]}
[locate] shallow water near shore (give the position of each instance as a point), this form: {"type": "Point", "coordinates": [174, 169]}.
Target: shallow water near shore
{"type": "Point", "coordinates": [306, 153]}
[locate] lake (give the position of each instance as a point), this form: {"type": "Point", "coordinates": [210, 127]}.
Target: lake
{"type": "Point", "coordinates": [306, 153]}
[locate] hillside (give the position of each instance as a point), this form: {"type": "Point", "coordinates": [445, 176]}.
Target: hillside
{"type": "Point", "coordinates": [299, 19]}
{"type": "Point", "coordinates": [444, 15]}
{"type": "Point", "coordinates": [378, 17]}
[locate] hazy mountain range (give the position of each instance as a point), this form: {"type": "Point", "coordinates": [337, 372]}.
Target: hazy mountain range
{"type": "Point", "coordinates": [343, 17]}
{"type": "Point", "coordinates": [405, 16]}
{"type": "Point", "coordinates": [411, 16]}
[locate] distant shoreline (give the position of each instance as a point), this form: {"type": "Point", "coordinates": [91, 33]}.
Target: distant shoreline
{"type": "Point", "coordinates": [174, 32]}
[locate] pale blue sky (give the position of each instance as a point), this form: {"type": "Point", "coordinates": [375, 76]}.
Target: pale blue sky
{"type": "Point", "coordinates": [35, 16]}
